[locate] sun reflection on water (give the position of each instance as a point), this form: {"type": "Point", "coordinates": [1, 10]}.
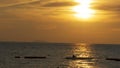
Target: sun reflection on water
{"type": "Point", "coordinates": [82, 50]}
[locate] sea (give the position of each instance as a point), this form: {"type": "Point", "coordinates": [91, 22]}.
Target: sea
{"type": "Point", "coordinates": [12, 55]}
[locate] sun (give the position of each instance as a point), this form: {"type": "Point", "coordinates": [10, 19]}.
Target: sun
{"type": "Point", "coordinates": [83, 10]}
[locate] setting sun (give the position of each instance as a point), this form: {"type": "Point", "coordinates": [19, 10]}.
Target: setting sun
{"type": "Point", "coordinates": [83, 10]}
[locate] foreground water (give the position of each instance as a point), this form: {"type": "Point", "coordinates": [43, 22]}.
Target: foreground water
{"type": "Point", "coordinates": [55, 54]}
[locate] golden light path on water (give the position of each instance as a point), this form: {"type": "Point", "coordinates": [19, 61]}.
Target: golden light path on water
{"type": "Point", "coordinates": [85, 51]}
{"type": "Point", "coordinates": [83, 10]}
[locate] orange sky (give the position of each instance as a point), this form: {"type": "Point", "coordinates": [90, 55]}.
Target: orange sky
{"type": "Point", "coordinates": [55, 21]}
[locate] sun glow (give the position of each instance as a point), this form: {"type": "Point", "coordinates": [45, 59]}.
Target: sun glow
{"type": "Point", "coordinates": [83, 10]}
{"type": "Point", "coordinates": [83, 2]}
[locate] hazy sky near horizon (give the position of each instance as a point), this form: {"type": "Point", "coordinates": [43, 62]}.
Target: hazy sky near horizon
{"type": "Point", "coordinates": [54, 21]}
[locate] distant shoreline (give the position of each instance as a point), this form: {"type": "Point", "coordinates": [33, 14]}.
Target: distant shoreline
{"type": "Point", "coordinates": [17, 42]}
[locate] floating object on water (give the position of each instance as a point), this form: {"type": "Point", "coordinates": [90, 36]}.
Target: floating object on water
{"type": "Point", "coordinates": [34, 57]}
{"type": "Point", "coordinates": [78, 58]}
{"type": "Point", "coordinates": [31, 57]}
{"type": "Point", "coordinates": [114, 59]}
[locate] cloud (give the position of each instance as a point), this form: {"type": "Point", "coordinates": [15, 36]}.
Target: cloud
{"type": "Point", "coordinates": [107, 6]}
{"type": "Point", "coordinates": [38, 4]}
{"type": "Point", "coordinates": [59, 4]}
{"type": "Point", "coordinates": [20, 4]}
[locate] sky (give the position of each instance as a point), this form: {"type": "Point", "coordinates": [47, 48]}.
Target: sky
{"type": "Point", "coordinates": [56, 21]}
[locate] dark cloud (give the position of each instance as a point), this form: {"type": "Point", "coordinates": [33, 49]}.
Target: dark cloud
{"type": "Point", "coordinates": [59, 4]}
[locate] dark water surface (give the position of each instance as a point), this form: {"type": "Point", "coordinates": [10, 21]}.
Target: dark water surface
{"type": "Point", "coordinates": [55, 54]}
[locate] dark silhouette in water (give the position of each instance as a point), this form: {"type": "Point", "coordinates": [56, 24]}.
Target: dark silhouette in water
{"type": "Point", "coordinates": [34, 57]}
{"type": "Point", "coordinates": [31, 57]}
{"type": "Point", "coordinates": [74, 56]}
{"type": "Point", "coordinates": [78, 58]}
{"type": "Point", "coordinates": [114, 59]}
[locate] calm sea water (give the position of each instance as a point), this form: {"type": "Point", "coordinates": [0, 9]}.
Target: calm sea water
{"type": "Point", "coordinates": [56, 53]}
